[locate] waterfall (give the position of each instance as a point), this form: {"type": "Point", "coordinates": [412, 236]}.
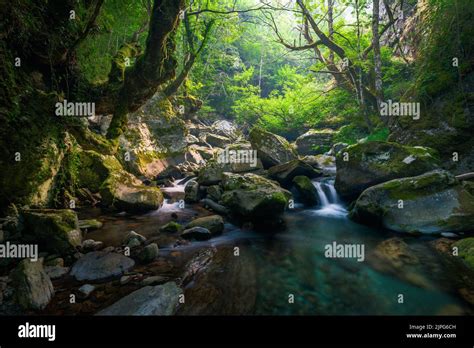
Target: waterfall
{"type": "Point", "coordinates": [322, 198]}
{"type": "Point", "coordinates": [329, 203]}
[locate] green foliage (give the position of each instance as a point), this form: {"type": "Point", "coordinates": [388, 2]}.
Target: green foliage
{"type": "Point", "coordinates": [117, 22]}
{"type": "Point", "coordinates": [450, 31]}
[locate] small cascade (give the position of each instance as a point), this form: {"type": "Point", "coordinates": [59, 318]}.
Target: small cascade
{"type": "Point", "coordinates": [329, 203]}
{"type": "Point", "coordinates": [322, 198]}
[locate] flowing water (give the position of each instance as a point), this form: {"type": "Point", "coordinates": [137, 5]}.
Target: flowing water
{"type": "Point", "coordinates": [290, 274]}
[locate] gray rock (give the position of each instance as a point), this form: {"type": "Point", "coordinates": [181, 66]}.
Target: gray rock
{"type": "Point", "coordinates": [149, 300]}
{"type": "Point", "coordinates": [85, 290]}
{"type": "Point", "coordinates": [101, 265]}
{"type": "Point", "coordinates": [214, 223]}
{"type": "Point", "coordinates": [217, 140]}
{"type": "Point", "coordinates": [314, 141]}
{"type": "Point", "coordinates": [125, 279]}
{"type": "Point", "coordinates": [272, 149]}
{"type": "Point", "coordinates": [92, 245]}
{"type": "Point", "coordinates": [154, 280]}
{"type": "Point", "coordinates": [133, 243]}
{"type": "Point", "coordinates": [226, 128]}
{"type": "Point", "coordinates": [430, 203]}
{"type": "Point", "coordinates": [132, 235]}
{"type": "Point", "coordinates": [218, 208]}
{"type": "Point", "coordinates": [197, 233]}
{"type": "Point", "coordinates": [55, 272]}
{"type": "Point", "coordinates": [363, 165]}
{"type": "Point", "coordinates": [33, 288]}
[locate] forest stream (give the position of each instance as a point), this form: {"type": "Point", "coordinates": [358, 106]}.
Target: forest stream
{"type": "Point", "coordinates": [248, 157]}
{"type": "Point", "coordinates": [292, 262]}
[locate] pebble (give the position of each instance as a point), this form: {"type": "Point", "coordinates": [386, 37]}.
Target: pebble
{"type": "Point", "coordinates": [86, 290]}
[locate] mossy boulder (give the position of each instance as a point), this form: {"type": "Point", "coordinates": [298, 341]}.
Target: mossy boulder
{"type": "Point", "coordinates": [272, 149]}
{"type": "Point", "coordinates": [285, 172]}
{"type": "Point", "coordinates": [214, 223]}
{"type": "Point", "coordinates": [306, 190]}
{"type": "Point", "coordinates": [123, 191]}
{"type": "Point", "coordinates": [367, 164]}
{"type": "Point", "coordinates": [431, 203]}
{"type": "Point", "coordinates": [314, 141]}
{"type": "Point", "coordinates": [252, 197]}
{"type": "Point", "coordinates": [33, 287]}
{"type": "Point", "coordinates": [466, 250]}
{"type": "Point", "coordinates": [119, 189]}
{"type": "Point", "coordinates": [55, 231]}
{"type": "Point", "coordinates": [95, 168]}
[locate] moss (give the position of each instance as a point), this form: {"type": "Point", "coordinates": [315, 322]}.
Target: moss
{"type": "Point", "coordinates": [51, 229]}
{"type": "Point", "coordinates": [388, 157]}
{"type": "Point", "coordinates": [117, 71]}
{"type": "Point", "coordinates": [419, 186]}
{"type": "Point", "coordinates": [466, 250]}
{"type": "Point", "coordinates": [95, 168]}
{"type": "Point", "coordinates": [306, 189]}
{"type": "Point", "coordinates": [171, 227]}
{"type": "Point", "coordinates": [124, 192]}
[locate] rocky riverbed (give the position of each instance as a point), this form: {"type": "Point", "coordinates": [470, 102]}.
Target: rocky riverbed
{"type": "Point", "coordinates": [231, 237]}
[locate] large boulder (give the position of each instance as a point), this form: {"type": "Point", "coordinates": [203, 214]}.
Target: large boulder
{"type": "Point", "coordinates": [367, 164]}
{"type": "Point", "coordinates": [119, 189]}
{"type": "Point", "coordinates": [149, 300]}
{"type": "Point", "coordinates": [284, 173]}
{"type": "Point", "coordinates": [56, 231]}
{"type": "Point", "coordinates": [122, 191]}
{"type": "Point", "coordinates": [432, 203]}
{"type": "Point", "coordinates": [214, 223]}
{"type": "Point", "coordinates": [33, 288]}
{"type": "Point", "coordinates": [253, 197]}
{"type": "Point", "coordinates": [100, 266]}
{"type": "Point", "coordinates": [226, 128]}
{"type": "Point", "coordinates": [314, 141]}
{"type": "Point", "coordinates": [272, 149]}
{"type": "Point", "coordinates": [235, 158]}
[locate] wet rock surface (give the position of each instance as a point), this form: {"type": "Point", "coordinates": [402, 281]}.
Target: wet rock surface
{"type": "Point", "coordinates": [100, 265]}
